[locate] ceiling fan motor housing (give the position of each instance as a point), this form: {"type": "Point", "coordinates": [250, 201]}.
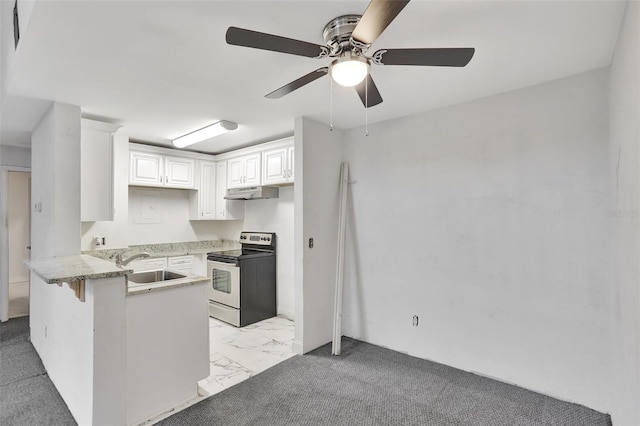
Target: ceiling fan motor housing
{"type": "Point", "coordinates": [338, 32]}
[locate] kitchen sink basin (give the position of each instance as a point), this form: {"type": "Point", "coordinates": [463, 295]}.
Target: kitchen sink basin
{"type": "Point", "coordinates": [148, 277]}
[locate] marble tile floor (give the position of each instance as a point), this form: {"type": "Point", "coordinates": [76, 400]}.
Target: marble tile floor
{"type": "Point", "coordinates": [239, 353]}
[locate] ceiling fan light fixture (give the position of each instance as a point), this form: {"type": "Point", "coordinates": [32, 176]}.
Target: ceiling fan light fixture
{"type": "Point", "coordinates": [349, 70]}
{"type": "Point", "coordinates": [208, 132]}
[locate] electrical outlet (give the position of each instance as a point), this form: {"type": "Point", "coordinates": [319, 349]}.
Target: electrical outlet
{"type": "Point", "coordinates": [310, 242]}
{"type": "Point", "coordinates": [99, 241]}
{"type": "Point", "coordinates": [415, 320]}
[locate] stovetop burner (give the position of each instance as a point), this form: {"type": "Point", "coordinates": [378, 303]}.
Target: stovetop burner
{"type": "Point", "coordinates": [228, 253]}
{"type": "Point", "coordinates": [254, 244]}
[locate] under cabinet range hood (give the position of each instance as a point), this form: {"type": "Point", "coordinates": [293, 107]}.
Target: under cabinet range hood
{"type": "Point", "coordinates": [252, 193]}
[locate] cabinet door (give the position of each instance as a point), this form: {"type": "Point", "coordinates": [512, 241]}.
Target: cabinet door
{"type": "Point", "coordinates": [274, 166]}
{"type": "Point", "coordinates": [235, 173]}
{"type": "Point", "coordinates": [142, 265]}
{"type": "Point", "coordinates": [291, 162]}
{"type": "Point", "coordinates": [179, 172]}
{"type": "Point", "coordinates": [96, 171]}
{"type": "Point", "coordinates": [181, 264]}
{"type": "Point", "coordinates": [226, 209]}
{"type": "Point", "coordinates": [207, 191]}
{"type": "Point", "coordinates": [146, 169]}
{"type": "Point", "coordinates": [252, 169]}
{"type": "Point", "coordinates": [221, 190]}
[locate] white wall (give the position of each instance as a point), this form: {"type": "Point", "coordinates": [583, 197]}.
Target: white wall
{"type": "Point", "coordinates": [18, 206]}
{"type": "Point", "coordinates": [7, 46]}
{"type": "Point", "coordinates": [624, 218]}
{"type": "Point", "coordinates": [159, 215]}
{"type": "Point", "coordinates": [318, 155]}
{"type": "Point", "coordinates": [15, 156]}
{"type": "Point", "coordinates": [56, 230]}
{"type": "Point", "coordinates": [487, 220]}
{"type": "Point", "coordinates": [276, 215]}
{"type": "Point", "coordinates": [56, 182]}
{"type": "Point", "coordinates": [81, 344]}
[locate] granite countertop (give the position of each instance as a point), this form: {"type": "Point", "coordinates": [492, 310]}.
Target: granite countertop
{"type": "Point", "coordinates": [55, 270]}
{"type": "Point", "coordinates": [168, 249]}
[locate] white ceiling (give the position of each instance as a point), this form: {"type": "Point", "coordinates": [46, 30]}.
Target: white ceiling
{"type": "Point", "coordinates": [163, 69]}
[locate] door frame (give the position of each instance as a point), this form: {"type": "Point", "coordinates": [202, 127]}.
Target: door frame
{"type": "Point", "coordinates": [4, 238]}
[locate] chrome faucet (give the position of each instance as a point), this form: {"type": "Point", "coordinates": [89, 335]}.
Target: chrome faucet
{"type": "Point", "coordinates": [120, 263]}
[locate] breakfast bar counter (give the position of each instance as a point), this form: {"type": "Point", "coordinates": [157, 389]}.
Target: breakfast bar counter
{"type": "Point", "coordinates": [64, 269]}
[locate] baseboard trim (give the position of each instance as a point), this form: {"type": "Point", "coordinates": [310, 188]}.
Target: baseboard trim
{"type": "Point", "coordinates": [296, 346]}
{"type": "Point", "coordinates": [290, 315]}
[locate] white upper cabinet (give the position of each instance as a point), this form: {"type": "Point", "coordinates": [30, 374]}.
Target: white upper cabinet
{"type": "Point", "coordinates": [244, 171]}
{"type": "Point", "coordinates": [277, 165]}
{"type": "Point", "coordinates": [226, 209]}
{"type": "Point", "coordinates": [96, 170]}
{"type": "Point", "coordinates": [292, 162]}
{"type": "Point", "coordinates": [179, 172]}
{"type": "Point", "coordinates": [203, 201]}
{"type": "Point", "coordinates": [150, 169]}
{"type": "Point", "coordinates": [147, 169]}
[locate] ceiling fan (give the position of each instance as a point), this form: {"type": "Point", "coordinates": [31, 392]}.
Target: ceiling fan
{"type": "Point", "coordinates": [347, 39]}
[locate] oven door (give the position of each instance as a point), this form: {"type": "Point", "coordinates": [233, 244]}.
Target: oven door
{"type": "Point", "coordinates": [225, 283]}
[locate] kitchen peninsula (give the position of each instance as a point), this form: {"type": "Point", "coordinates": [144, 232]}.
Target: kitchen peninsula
{"type": "Point", "coordinates": [107, 348]}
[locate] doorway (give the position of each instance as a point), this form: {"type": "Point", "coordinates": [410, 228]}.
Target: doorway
{"type": "Point", "coordinates": [18, 215]}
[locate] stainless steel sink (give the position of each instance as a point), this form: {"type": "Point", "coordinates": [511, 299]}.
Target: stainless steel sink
{"type": "Point", "coordinates": [148, 277]}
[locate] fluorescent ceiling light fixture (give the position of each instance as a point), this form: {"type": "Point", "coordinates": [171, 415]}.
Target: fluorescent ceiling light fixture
{"type": "Point", "coordinates": [349, 70]}
{"type": "Point", "coordinates": [211, 131]}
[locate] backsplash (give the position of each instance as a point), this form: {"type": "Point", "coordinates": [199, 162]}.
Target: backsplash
{"type": "Point", "coordinates": [167, 249]}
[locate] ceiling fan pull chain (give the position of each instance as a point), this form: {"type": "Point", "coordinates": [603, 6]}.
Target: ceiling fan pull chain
{"type": "Point", "coordinates": [331, 104]}
{"type": "Point", "coordinates": [366, 107]}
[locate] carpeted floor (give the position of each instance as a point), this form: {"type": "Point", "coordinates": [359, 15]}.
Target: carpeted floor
{"type": "Point", "coordinates": [370, 385]}
{"type": "Point", "coordinates": [367, 385]}
{"type": "Point", "coordinates": [27, 395]}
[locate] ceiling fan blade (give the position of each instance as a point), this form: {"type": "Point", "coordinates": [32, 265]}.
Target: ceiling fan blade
{"type": "Point", "coordinates": [368, 92]}
{"type": "Point", "coordinates": [296, 84]}
{"type": "Point", "coordinates": [447, 57]}
{"type": "Point", "coordinates": [375, 19]}
{"type": "Point", "coordinates": [264, 41]}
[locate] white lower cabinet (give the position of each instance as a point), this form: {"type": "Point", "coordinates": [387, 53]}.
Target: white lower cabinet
{"type": "Point", "coordinates": [182, 264]}
{"type": "Point", "coordinates": [151, 264]}
{"type": "Point", "coordinates": [188, 264]}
